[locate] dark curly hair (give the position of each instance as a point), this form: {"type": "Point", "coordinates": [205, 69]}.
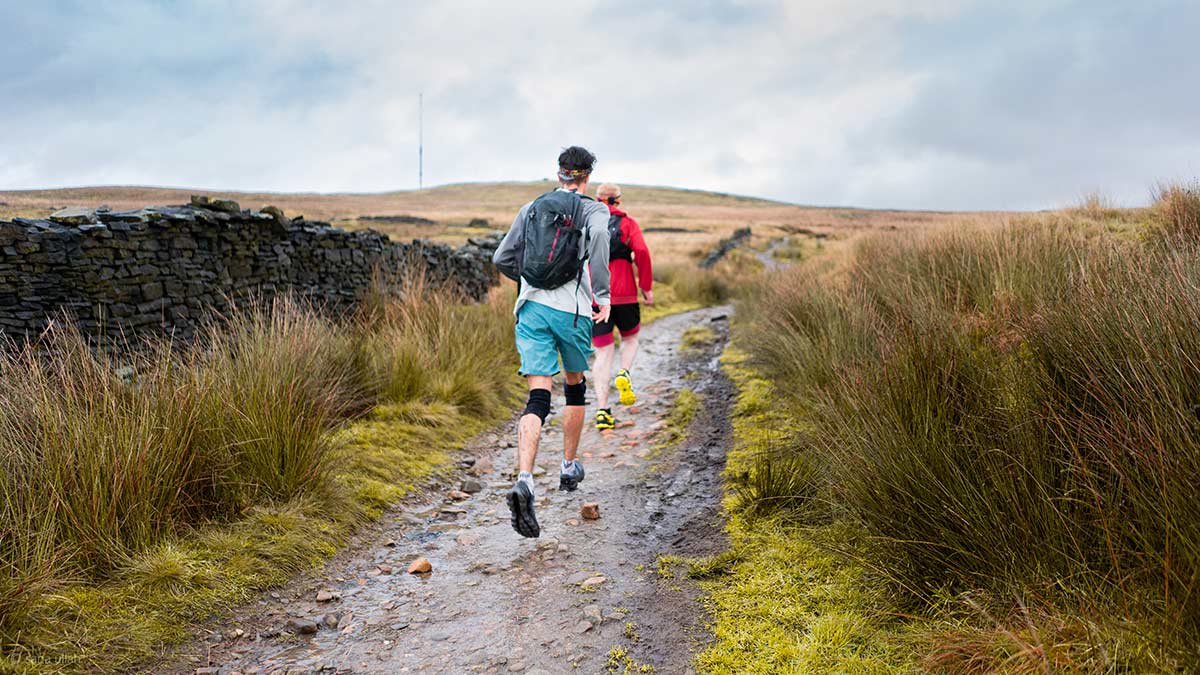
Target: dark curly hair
{"type": "Point", "coordinates": [575, 163]}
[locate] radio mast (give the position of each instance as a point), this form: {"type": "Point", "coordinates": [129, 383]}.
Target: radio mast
{"type": "Point", "coordinates": [421, 140]}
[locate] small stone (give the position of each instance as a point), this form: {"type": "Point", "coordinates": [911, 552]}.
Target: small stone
{"type": "Point", "coordinates": [471, 486]}
{"type": "Point", "coordinates": [608, 454]}
{"type": "Point", "coordinates": [330, 620]}
{"type": "Point", "coordinates": [302, 626]}
{"type": "Point", "coordinates": [634, 410]}
{"type": "Point", "coordinates": [624, 425]}
{"type": "Point", "coordinates": [386, 569]}
{"type": "Point", "coordinates": [390, 543]}
{"type": "Point", "coordinates": [590, 511]}
{"type": "Point", "coordinates": [420, 566]}
{"type": "Point", "coordinates": [593, 582]}
{"type": "Point", "coordinates": [328, 596]}
{"type": "Point", "coordinates": [592, 613]}
{"type": "Point", "coordinates": [539, 470]}
{"type": "Point", "coordinates": [572, 521]}
{"type": "Point", "coordinates": [458, 495]}
{"type": "Point", "coordinates": [583, 627]}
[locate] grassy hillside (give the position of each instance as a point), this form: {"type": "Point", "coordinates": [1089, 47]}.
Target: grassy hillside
{"type": "Point", "coordinates": [678, 221]}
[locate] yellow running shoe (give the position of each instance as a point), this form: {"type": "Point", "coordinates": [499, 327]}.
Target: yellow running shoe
{"type": "Point", "coordinates": [625, 385]}
{"type": "Point", "coordinates": [604, 419]}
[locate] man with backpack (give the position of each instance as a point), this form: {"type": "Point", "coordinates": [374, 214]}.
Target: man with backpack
{"type": "Point", "coordinates": [557, 252]}
{"type": "Point", "coordinates": [626, 249]}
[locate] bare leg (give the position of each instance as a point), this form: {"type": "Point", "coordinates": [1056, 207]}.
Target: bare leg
{"type": "Point", "coordinates": [529, 429]}
{"type": "Point", "coordinates": [629, 347]}
{"type": "Point", "coordinates": [602, 374]}
{"type": "Point", "coordinates": [572, 422]}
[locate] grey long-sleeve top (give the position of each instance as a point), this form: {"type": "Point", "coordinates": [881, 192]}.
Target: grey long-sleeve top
{"type": "Point", "coordinates": [568, 297]}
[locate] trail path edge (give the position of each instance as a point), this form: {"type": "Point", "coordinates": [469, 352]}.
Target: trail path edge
{"type": "Point", "coordinates": [583, 594]}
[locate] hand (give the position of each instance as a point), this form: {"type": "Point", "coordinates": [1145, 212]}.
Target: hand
{"type": "Point", "coordinates": [601, 315]}
{"type": "Point", "coordinates": [648, 296]}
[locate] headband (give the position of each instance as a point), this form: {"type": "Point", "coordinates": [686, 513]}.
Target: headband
{"type": "Point", "coordinates": [572, 175]}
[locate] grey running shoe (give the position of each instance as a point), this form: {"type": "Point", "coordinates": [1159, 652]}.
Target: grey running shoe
{"type": "Point", "coordinates": [520, 504]}
{"type": "Point", "coordinates": [569, 479]}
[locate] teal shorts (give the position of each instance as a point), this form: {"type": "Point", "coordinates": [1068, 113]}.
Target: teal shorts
{"type": "Point", "coordinates": [545, 334]}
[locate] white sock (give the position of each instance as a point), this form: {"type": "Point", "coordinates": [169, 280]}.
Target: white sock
{"type": "Point", "coordinates": [526, 478]}
{"type": "Point", "coordinates": [568, 466]}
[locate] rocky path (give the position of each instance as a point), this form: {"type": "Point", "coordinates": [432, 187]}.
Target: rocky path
{"type": "Point", "coordinates": [767, 257]}
{"type": "Point", "coordinates": [586, 597]}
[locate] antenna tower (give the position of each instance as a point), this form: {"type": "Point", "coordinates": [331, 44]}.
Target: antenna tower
{"type": "Point", "coordinates": [421, 141]}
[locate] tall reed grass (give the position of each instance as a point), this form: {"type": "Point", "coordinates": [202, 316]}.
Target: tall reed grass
{"type": "Point", "coordinates": [1013, 410]}
{"type": "Point", "coordinates": [97, 466]}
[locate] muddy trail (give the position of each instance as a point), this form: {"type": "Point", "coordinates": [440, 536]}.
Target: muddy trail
{"type": "Point", "coordinates": [495, 602]}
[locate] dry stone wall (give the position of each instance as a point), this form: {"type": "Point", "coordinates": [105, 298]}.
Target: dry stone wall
{"type": "Point", "coordinates": [120, 275]}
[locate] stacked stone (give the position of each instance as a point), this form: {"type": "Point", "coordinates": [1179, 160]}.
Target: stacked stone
{"type": "Point", "coordinates": [724, 246]}
{"type": "Point", "coordinates": [121, 275]}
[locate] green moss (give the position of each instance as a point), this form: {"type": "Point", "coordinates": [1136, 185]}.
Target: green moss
{"type": "Point", "coordinates": [666, 303]}
{"type": "Point", "coordinates": [620, 662]}
{"type": "Point", "coordinates": [780, 601]}
{"type": "Point", "coordinates": [696, 338]}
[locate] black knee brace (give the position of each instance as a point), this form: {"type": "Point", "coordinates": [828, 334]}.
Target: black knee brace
{"type": "Point", "coordinates": [539, 404]}
{"type": "Point", "coordinates": [576, 393]}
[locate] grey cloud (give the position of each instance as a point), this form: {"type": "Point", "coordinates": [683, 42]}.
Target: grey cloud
{"type": "Point", "coordinates": [913, 103]}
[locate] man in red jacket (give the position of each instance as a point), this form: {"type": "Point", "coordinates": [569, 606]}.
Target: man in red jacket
{"type": "Point", "coordinates": [626, 250]}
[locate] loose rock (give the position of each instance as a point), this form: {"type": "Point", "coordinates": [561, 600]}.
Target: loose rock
{"type": "Point", "coordinates": [592, 613]}
{"type": "Point", "coordinates": [302, 626]}
{"type": "Point", "coordinates": [420, 566]}
{"type": "Point", "coordinates": [590, 511]}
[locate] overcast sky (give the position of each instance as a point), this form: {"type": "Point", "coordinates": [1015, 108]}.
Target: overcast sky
{"type": "Point", "coordinates": [940, 104]}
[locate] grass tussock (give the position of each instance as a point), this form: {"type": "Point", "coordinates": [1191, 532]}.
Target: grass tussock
{"type": "Point", "coordinates": [1008, 415]}
{"type": "Point", "coordinates": [1176, 210]}
{"type": "Point", "coordinates": [132, 504]}
{"type": "Point", "coordinates": [1097, 206]}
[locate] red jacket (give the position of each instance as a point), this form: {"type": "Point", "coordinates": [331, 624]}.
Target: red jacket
{"type": "Point", "coordinates": [623, 289]}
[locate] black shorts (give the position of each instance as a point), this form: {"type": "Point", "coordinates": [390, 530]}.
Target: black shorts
{"type": "Point", "coordinates": [627, 319]}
